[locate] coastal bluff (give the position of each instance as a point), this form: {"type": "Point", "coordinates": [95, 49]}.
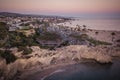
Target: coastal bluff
{"type": "Point", "coordinates": [41, 59]}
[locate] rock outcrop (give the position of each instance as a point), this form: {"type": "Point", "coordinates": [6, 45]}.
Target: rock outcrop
{"type": "Point", "coordinates": [42, 57]}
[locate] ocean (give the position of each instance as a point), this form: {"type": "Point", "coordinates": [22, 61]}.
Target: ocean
{"type": "Point", "coordinates": [88, 71]}
{"type": "Point", "coordinates": [97, 24]}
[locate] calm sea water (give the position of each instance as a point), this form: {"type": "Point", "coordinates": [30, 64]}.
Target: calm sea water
{"type": "Point", "coordinates": [88, 71]}
{"type": "Point", "coordinates": [98, 24]}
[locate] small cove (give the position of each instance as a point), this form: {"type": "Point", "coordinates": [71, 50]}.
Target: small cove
{"type": "Point", "coordinates": [88, 71]}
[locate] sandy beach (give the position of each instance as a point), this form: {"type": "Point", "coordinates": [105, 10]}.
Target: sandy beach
{"type": "Point", "coordinates": [104, 35]}
{"type": "Point", "coordinates": [45, 72]}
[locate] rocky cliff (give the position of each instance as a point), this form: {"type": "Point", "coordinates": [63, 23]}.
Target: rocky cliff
{"type": "Point", "coordinates": [43, 58]}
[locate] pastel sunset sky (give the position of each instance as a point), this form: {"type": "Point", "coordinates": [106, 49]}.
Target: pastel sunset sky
{"type": "Point", "coordinates": [60, 7]}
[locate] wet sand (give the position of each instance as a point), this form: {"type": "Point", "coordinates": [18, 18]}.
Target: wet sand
{"type": "Point", "coordinates": [46, 71]}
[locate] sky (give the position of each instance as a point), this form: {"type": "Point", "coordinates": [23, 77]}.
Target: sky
{"type": "Point", "coordinates": [61, 7]}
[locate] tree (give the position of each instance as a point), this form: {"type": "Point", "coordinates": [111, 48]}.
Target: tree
{"type": "Point", "coordinates": [84, 27]}
{"type": "Point", "coordinates": [3, 30]}
{"type": "Point", "coordinates": [113, 34]}
{"type": "Point", "coordinates": [8, 56]}
{"type": "Point", "coordinates": [3, 34]}
{"type": "Point", "coordinates": [96, 33]}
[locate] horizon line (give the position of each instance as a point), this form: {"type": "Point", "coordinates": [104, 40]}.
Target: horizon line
{"type": "Point", "coordinates": [89, 15]}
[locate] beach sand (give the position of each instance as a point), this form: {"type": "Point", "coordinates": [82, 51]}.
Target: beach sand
{"type": "Point", "coordinates": [45, 72]}
{"type": "Point", "coordinates": [103, 35]}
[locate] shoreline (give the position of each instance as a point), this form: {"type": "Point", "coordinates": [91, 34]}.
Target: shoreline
{"type": "Point", "coordinates": [90, 24]}
{"type": "Point", "coordinates": [52, 69]}
{"type": "Point", "coordinates": [116, 60]}
{"type": "Point", "coordinates": [46, 71]}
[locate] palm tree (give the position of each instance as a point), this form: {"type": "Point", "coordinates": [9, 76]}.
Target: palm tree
{"type": "Point", "coordinates": [113, 34]}
{"type": "Point", "coordinates": [96, 33]}
{"type": "Point", "coordinates": [84, 27]}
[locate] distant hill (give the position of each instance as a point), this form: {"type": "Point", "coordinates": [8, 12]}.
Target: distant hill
{"type": "Point", "coordinates": [10, 14]}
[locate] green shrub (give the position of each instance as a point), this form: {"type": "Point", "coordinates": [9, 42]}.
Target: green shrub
{"type": "Point", "coordinates": [81, 37]}
{"type": "Point", "coordinates": [17, 39]}
{"type": "Point", "coordinates": [118, 40]}
{"type": "Point", "coordinates": [97, 42]}
{"type": "Point", "coordinates": [113, 33]}
{"type": "Point", "coordinates": [47, 47]}
{"type": "Point", "coordinates": [8, 56]}
{"type": "Point", "coordinates": [3, 30]}
{"type": "Point", "coordinates": [96, 33]}
{"type": "Point", "coordinates": [65, 43]}
{"type": "Point", "coordinates": [25, 50]}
